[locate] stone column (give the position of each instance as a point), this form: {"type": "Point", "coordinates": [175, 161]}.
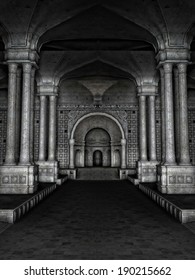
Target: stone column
{"type": "Point", "coordinates": [169, 115]}
{"type": "Point", "coordinates": [71, 153]}
{"type": "Point", "coordinates": [163, 138]}
{"type": "Point", "coordinates": [183, 118]}
{"type": "Point", "coordinates": [123, 153]}
{"type": "Point", "coordinates": [112, 154]}
{"type": "Point", "coordinates": [152, 128]}
{"type": "Point", "coordinates": [142, 128]}
{"type": "Point", "coordinates": [25, 117]}
{"type": "Point", "coordinates": [11, 115]}
{"type": "Point", "coordinates": [43, 128]}
{"type": "Point", "coordinates": [83, 154]}
{"type": "Point", "coordinates": [177, 114]}
{"type": "Point", "coordinates": [32, 115]}
{"type": "Point", "coordinates": [18, 113]}
{"type": "Point", "coordinates": [52, 128]}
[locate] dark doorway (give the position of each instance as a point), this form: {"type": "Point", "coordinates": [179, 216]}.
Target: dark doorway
{"type": "Point", "coordinates": [97, 158]}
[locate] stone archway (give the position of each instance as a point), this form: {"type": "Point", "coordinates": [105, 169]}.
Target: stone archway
{"type": "Point", "coordinates": [97, 139]}
{"type": "Point", "coordinates": [104, 122]}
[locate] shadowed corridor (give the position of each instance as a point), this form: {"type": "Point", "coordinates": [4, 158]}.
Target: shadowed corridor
{"type": "Point", "coordinates": [97, 220]}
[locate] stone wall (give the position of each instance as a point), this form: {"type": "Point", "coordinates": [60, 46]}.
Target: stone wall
{"type": "Point", "coordinates": [68, 113]}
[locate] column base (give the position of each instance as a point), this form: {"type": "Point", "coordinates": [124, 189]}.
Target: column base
{"type": "Point", "coordinates": [18, 179]}
{"type": "Point", "coordinates": [71, 173]}
{"type": "Point", "coordinates": [147, 171]}
{"type": "Point", "coordinates": [48, 171]}
{"type": "Point", "coordinates": [176, 179]}
{"type": "Point", "coordinates": [124, 173]}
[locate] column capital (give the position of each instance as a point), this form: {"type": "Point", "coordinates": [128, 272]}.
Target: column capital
{"type": "Point", "coordinates": [27, 67]}
{"type": "Point", "coordinates": [52, 98]}
{"type": "Point", "coordinates": [47, 89]}
{"type": "Point", "coordinates": [13, 66]}
{"type": "Point", "coordinates": [152, 97]}
{"type": "Point", "coordinates": [71, 142]}
{"type": "Point", "coordinates": [43, 97]}
{"type": "Point", "coordinates": [147, 89]}
{"type": "Point", "coordinates": [21, 55]}
{"type": "Point", "coordinates": [168, 67]}
{"type": "Point", "coordinates": [142, 97]}
{"type": "Point", "coordinates": [123, 141]}
{"type": "Point", "coordinates": [182, 67]}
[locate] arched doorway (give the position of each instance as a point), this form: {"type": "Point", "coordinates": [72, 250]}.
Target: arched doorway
{"type": "Point", "coordinates": [98, 131]}
{"type": "Point", "coordinates": [97, 158]}
{"type": "Point", "coordinates": [97, 148]}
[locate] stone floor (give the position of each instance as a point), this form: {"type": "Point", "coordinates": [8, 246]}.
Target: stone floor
{"type": "Point", "coordinates": [98, 173]}
{"type": "Point", "coordinates": [97, 220]}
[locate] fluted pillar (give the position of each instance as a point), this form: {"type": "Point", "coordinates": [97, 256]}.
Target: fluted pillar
{"type": "Point", "coordinates": [52, 128]}
{"type": "Point", "coordinates": [25, 117]}
{"type": "Point", "coordinates": [123, 153]}
{"type": "Point", "coordinates": [71, 153]}
{"type": "Point", "coordinates": [152, 127]}
{"type": "Point", "coordinates": [11, 115]}
{"type": "Point", "coordinates": [183, 118]}
{"type": "Point", "coordinates": [32, 115]}
{"type": "Point", "coordinates": [169, 115]}
{"type": "Point", "coordinates": [163, 138]}
{"type": "Point", "coordinates": [42, 128]}
{"type": "Point", "coordinates": [142, 128]}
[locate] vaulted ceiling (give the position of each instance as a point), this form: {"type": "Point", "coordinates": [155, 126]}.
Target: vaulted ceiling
{"type": "Point", "coordinates": [113, 38]}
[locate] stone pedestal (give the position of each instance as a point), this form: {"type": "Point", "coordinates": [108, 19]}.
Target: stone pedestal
{"type": "Point", "coordinates": [71, 173]}
{"type": "Point", "coordinates": [176, 179]}
{"type": "Point", "coordinates": [18, 179]}
{"type": "Point", "coordinates": [48, 171]}
{"type": "Point", "coordinates": [146, 171]}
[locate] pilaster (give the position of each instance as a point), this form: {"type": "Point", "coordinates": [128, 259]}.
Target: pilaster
{"type": "Point", "coordinates": [123, 153]}
{"type": "Point", "coordinates": [71, 143]}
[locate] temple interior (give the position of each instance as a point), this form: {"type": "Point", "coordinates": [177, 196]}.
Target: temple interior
{"type": "Point", "coordinates": [98, 90]}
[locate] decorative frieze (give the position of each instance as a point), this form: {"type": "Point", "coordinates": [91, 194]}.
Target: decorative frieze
{"type": "Point", "coordinates": [181, 179]}
{"type": "Point", "coordinates": [146, 171]}
{"type": "Point", "coordinates": [176, 179]}
{"type": "Point", "coordinates": [18, 179]}
{"type": "Point", "coordinates": [48, 171]}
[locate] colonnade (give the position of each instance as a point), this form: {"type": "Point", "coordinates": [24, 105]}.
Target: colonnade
{"type": "Point", "coordinates": [18, 150]}
{"type": "Point", "coordinates": [48, 170]}
{"type": "Point", "coordinates": [18, 174]}
{"type": "Point", "coordinates": [175, 139]}
{"type": "Point", "coordinates": [143, 132]}
{"type": "Point", "coordinates": [146, 166]}
{"type": "Point", "coordinates": [175, 173]}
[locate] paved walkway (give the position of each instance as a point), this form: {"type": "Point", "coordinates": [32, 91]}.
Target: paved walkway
{"type": "Point", "coordinates": [97, 220]}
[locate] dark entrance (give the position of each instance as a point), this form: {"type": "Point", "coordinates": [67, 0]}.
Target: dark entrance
{"type": "Point", "coordinates": [97, 158]}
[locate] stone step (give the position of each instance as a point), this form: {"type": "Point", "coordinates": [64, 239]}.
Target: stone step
{"type": "Point", "coordinates": [12, 215]}
{"type": "Point", "coordinates": [178, 212]}
{"type": "Point", "coordinates": [134, 180]}
{"type": "Point", "coordinates": [97, 173]}
{"type": "Point", "coordinates": [60, 181]}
